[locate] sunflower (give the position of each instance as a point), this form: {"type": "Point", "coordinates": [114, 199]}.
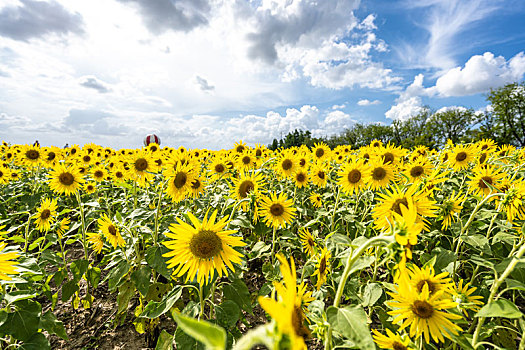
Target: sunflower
{"type": "Point", "coordinates": [485, 180]}
{"type": "Point", "coordinates": [379, 174]}
{"type": "Point", "coordinates": [246, 160]}
{"type": "Point", "coordinates": [286, 310]}
{"type": "Point", "coordinates": [31, 156]}
{"type": "Point", "coordinates": [240, 146]}
{"type": "Point", "coordinates": [99, 173]}
{"type": "Point", "coordinates": [46, 215]}
{"type": "Point", "coordinates": [461, 156]}
{"type": "Point", "coordinates": [5, 175]}
{"type": "Point", "coordinates": [486, 145]}
{"type": "Point", "coordinates": [389, 154]}
{"type": "Point", "coordinates": [179, 185]}
{"type": "Point", "coordinates": [308, 241]}
{"type": "Point", "coordinates": [424, 313]}
{"type": "Point", "coordinates": [462, 294]}
{"type": "Point", "coordinates": [244, 185]}
{"type": "Point", "coordinates": [301, 178]}
{"type": "Point", "coordinates": [390, 202]}
{"type": "Point", "coordinates": [85, 159]}
{"type": "Point", "coordinates": [7, 263]}
{"type": "Point", "coordinates": [319, 174]}
{"type": "Point", "coordinates": [391, 340]}
{"type": "Point", "coordinates": [316, 200]}
{"type": "Point", "coordinates": [449, 207]}
{"type": "Point", "coordinates": [406, 225]}
{"type": "Point", "coordinates": [203, 249]}
{"type": "Point", "coordinates": [513, 202]}
{"type": "Point", "coordinates": [352, 177]}
{"type": "Point", "coordinates": [286, 164]}
{"type": "Point", "coordinates": [376, 143]}
{"type": "Point", "coordinates": [51, 155]}
{"type": "Point", "coordinates": [153, 147]}
{"type": "Point", "coordinates": [110, 231]}
{"type": "Point", "coordinates": [65, 179]}
{"type": "Point", "coordinates": [418, 170]}
{"type": "Point", "coordinates": [119, 174]}
{"type": "Point", "coordinates": [96, 241]}
{"type": "Point", "coordinates": [197, 187]}
{"type": "Point", "coordinates": [218, 168]}
{"type": "Point", "coordinates": [303, 159]}
{"type": "Point", "coordinates": [63, 227]}
{"type": "Point", "coordinates": [277, 211]}
{"type": "Point", "coordinates": [321, 152]}
{"type": "Point", "coordinates": [90, 187]}
{"type": "Point", "coordinates": [426, 276]}
{"type": "Point", "coordinates": [142, 167]}
{"type": "Point", "coordinates": [322, 267]}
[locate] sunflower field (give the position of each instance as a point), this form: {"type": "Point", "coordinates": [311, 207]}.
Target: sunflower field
{"type": "Point", "coordinates": [376, 247]}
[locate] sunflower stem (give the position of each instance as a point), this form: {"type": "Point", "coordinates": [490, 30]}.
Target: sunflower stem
{"type": "Point", "coordinates": [335, 208]}
{"type": "Point", "coordinates": [273, 246]}
{"type": "Point", "coordinates": [83, 224]}
{"type": "Point", "coordinates": [494, 290]}
{"type": "Point", "coordinates": [156, 233]}
{"type": "Point", "coordinates": [201, 299]}
{"type": "Point", "coordinates": [352, 258]}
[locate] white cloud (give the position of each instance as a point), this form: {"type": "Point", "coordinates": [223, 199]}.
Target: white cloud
{"type": "Point", "coordinates": [451, 108]}
{"type": "Point", "coordinates": [334, 107]}
{"type": "Point", "coordinates": [366, 102]}
{"type": "Point", "coordinates": [480, 74]}
{"type": "Point", "coordinates": [405, 109]}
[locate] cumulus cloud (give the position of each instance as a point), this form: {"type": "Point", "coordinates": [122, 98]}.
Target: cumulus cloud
{"type": "Point", "coordinates": [408, 103]}
{"type": "Point", "coordinates": [35, 19]}
{"type": "Point", "coordinates": [163, 15]}
{"type": "Point", "coordinates": [451, 108]}
{"type": "Point", "coordinates": [339, 106]}
{"type": "Point", "coordinates": [366, 102]}
{"type": "Point", "coordinates": [91, 82]}
{"type": "Point", "coordinates": [480, 74]}
{"type": "Point", "coordinates": [203, 84]}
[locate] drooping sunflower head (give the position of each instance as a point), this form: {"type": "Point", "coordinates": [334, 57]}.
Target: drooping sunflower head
{"type": "Point", "coordinates": [391, 340]}
{"type": "Point", "coordinates": [323, 266]}
{"type": "Point", "coordinates": [308, 241]}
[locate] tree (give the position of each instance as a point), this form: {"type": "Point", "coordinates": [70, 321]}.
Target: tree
{"type": "Point", "coordinates": [453, 124]}
{"type": "Point", "coordinates": [508, 104]}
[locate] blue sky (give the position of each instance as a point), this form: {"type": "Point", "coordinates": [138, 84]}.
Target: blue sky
{"type": "Point", "coordinates": [207, 73]}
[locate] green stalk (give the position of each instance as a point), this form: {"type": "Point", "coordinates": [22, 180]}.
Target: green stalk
{"type": "Point", "coordinates": [494, 290]}
{"type": "Point", "coordinates": [156, 232]}
{"type": "Point", "coordinates": [335, 208]}
{"type": "Point", "coordinates": [83, 224]}
{"type": "Point", "coordinates": [273, 246]}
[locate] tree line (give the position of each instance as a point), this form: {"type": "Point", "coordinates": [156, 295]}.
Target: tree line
{"type": "Point", "coordinates": [504, 123]}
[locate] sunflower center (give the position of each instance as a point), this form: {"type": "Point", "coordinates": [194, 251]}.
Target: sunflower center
{"type": "Point", "coordinates": [297, 322]}
{"type": "Point", "coordinates": [388, 158]}
{"type": "Point", "coordinates": [153, 148]}
{"type": "Point", "coordinates": [398, 346]}
{"type": "Point", "coordinates": [311, 242]}
{"type": "Point", "coordinates": [277, 209]}
{"type": "Point", "coordinates": [322, 265]}
{"type": "Point", "coordinates": [484, 147]}
{"type": "Point", "coordinates": [483, 158]}
{"type": "Point", "coordinates": [158, 161]}
{"type": "Point", "coordinates": [112, 230]}
{"type": "Point", "coordinates": [422, 309]}
{"type": "Point", "coordinates": [321, 175]}
{"type": "Point", "coordinates": [417, 171]}
{"type": "Point", "coordinates": [302, 162]}
{"type": "Point", "coordinates": [180, 180]}
{"type": "Point", "coordinates": [99, 173]}
{"type": "Point", "coordinates": [86, 159]}
{"type": "Point", "coordinates": [246, 160]}
{"type": "Point", "coordinates": [51, 156]}
{"type": "Point", "coordinates": [287, 164]}
{"type": "Point", "coordinates": [300, 177]}
{"type": "Point", "coordinates": [258, 153]}
{"type": "Point", "coordinates": [1, 173]}
{"type": "Point", "coordinates": [461, 156]}
{"type": "Point", "coordinates": [430, 284]}
{"type": "Point", "coordinates": [354, 176]}
{"type": "Point", "coordinates": [90, 187]}
{"type": "Point", "coordinates": [245, 187]}
{"type": "Point", "coordinates": [46, 213]}
{"type": "Point", "coordinates": [66, 179]}
{"type": "Point", "coordinates": [484, 182]}
{"type": "Point", "coordinates": [205, 244]}
{"type": "Point", "coordinates": [219, 168]}
{"type": "Point", "coordinates": [119, 175]}
{"type": "Point", "coordinates": [141, 164]}
{"type": "Point", "coordinates": [396, 206]}
{"type": "Point", "coordinates": [379, 173]}
{"type": "Point", "coordinates": [239, 149]}
{"type": "Point", "coordinates": [196, 184]}
{"type": "Point", "coordinates": [73, 151]}
{"type": "Point", "coordinates": [32, 154]}
{"type": "Point", "coordinates": [319, 152]}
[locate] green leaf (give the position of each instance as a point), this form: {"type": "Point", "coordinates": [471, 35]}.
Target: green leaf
{"type": "Point", "coordinates": [125, 293]}
{"type": "Point", "coordinates": [37, 342]}
{"type": "Point", "coordinates": [51, 324]}
{"type": "Point", "coordinates": [228, 313]}
{"type": "Point", "coordinates": [371, 294]}
{"type": "Point", "coordinates": [238, 293]}
{"type": "Point", "coordinates": [154, 309]}
{"type": "Point", "coordinates": [212, 336]}
{"type": "Point", "coordinates": [156, 261]}
{"type": "Point", "coordinates": [59, 276]}
{"type": "Point", "coordinates": [24, 321]}
{"type": "Point", "coordinates": [361, 263]}
{"type": "Point", "coordinates": [141, 279]}
{"type": "Point", "coordinates": [260, 249]}
{"type": "Point", "coordinates": [93, 276]}
{"type": "Point", "coordinates": [350, 322]}
{"type": "Point", "coordinates": [116, 274]}
{"type": "Point", "coordinates": [165, 341]}
{"type": "Point", "coordinates": [184, 341]}
{"type": "Point", "coordinates": [500, 308]}
{"type": "Point", "coordinates": [513, 284]}
{"type": "Point", "coordinates": [68, 289]}
{"type": "Point", "coordinates": [478, 241]}
{"type": "Point", "coordinates": [18, 295]}
{"type": "Point", "coordinates": [78, 268]}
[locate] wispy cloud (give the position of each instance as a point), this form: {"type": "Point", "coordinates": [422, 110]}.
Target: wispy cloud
{"type": "Point", "coordinates": [444, 20]}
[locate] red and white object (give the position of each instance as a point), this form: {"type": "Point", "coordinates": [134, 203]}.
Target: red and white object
{"type": "Point", "coordinates": [151, 138]}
